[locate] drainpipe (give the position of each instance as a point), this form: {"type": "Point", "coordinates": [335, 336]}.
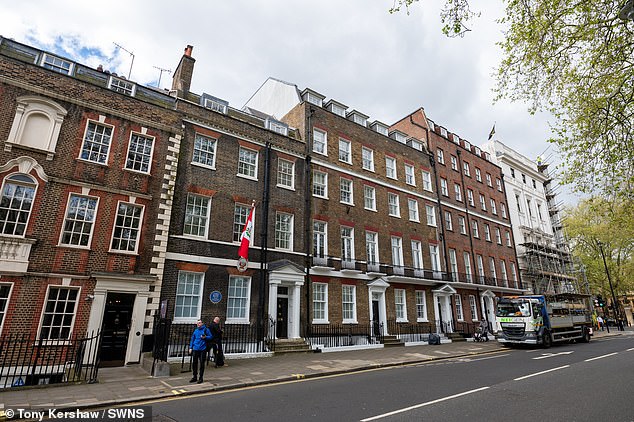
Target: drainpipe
{"type": "Point", "coordinates": [307, 214]}
{"type": "Point", "coordinates": [264, 239]}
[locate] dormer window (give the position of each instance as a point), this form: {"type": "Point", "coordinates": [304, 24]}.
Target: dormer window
{"type": "Point", "coordinates": [456, 139]}
{"type": "Point", "coordinates": [358, 118]}
{"type": "Point", "coordinates": [215, 105]}
{"type": "Point", "coordinates": [415, 143]}
{"type": "Point", "coordinates": [277, 127]}
{"type": "Point", "coordinates": [380, 128]}
{"type": "Point", "coordinates": [336, 108]}
{"type": "Point", "coordinates": [478, 151]}
{"type": "Point", "coordinates": [398, 136]}
{"type": "Point", "coordinates": [56, 64]}
{"type": "Point", "coordinates": [313, 97]}
{"type": "Point", "coordinates": [122, 86]}
{"type": "Point", "coordinates": [467, 146]}
{"type": "Point", "coordinates": [432, 126]}
{"type": "Point", "coordinates": [443, 132]}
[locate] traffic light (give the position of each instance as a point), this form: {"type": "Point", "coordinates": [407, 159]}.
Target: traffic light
{"type": "Point", "coordinates": [596, 303]}
{"type": "Point", "coordinates": [600, 301]}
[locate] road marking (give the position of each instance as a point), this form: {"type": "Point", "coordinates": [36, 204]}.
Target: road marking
{"type": "Point", "coordinates": [540, 373]}
{"type": "Point", "coordinates": [601, 357]}
{"type": "Point", "coordinates": [407, 409]}
{"type": "Point", "coordinates": [298, 376]}
{"type": "Point", "coordinates": [629, 350]}
{"type": "Point", "coordinates": [550, 355]}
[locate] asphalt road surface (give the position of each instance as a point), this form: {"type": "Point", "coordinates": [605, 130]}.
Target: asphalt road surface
{"type": "Point", "coordinates": [572, 382]}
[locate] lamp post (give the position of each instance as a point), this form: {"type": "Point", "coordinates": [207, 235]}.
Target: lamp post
{"type": "Point", "coordinates": [607, 272]}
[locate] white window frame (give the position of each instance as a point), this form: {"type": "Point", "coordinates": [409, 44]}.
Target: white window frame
{"type": "Point", "coordinates": [98, 140]}
{"type": "Point", "coordinates": [393, 205]}
{"type": "Point", "coordinates": [19, 189]}
{"type": "Point", "coordinates": [61, 326]}
{"type": "Point", "coordinates": [448, 221]}
{"type": "Point", "coordinates": [82, 222]}
{"type": "Point", "coordinates": [410, 175]}
{"type": "Point", "coordinates": [320, 239]}
{"type": "Point", "coordinates": [467, 267]}
{"type": "Point", "coordinates": [503, 209]}
{"type": "Point", "coordinates": [285, 172]}
{"type": "Point", "coordinates": [128, 233]}
{"type": "Point", "coordinates": [466, 168]}
{"type": "Point", "coordinates": [397, 251]}
{"type": "Point", "coordinates": [470, 197]}
{"type": "Point", "coordinates": [204, 148]}
{"type": "Point", "coordinates": [504, 273]}
{"type": "Point", "coordinates": [421, 306]}
{"type": "Point", "coordinates": [473, 307]}
{"type": "Point", "coordinates": [427, 181]}
{"type": "Point", "coordinates": [453, 263]}
{"type": "Point", "coordinates": [347, 243]}
{"type": "Point", "coordinates": [248, 163]}
{"type": "Point", "coordinates": [232, 319]}
{"type": "Point", "coordinates": [320, 144]}
{"type": "Point", "coordinates": [487, 233]}
{"type": "Point", "coordinates": [508, 238]}
{"type": "Point", "coordinates": [434, 253]}
{"type": "Point", "coordinates": [240, 219]}
{"type": "Point", "coordinates": [412, 205]}
{"type": "Point", "coordinates": [137, 157]}
{"type": "Point", "coordinates": [369, 195]}
{"type": "Point", "coordinates": [372, 247]}
{"type": "Point", "coordinates": [440, 154]}
{"type": "Point", "coordinates": [4, 303]}
{"type": "Point", "coordinates": [345, 151]}
{"type": "Point", "coordinates": [462, 223]}
{"type": "Point", "coordinates": [322, 300]}
{"type": "Point", "coordinates": [483, 202]}
{"type": "Point", "coordinates": [284, 231]}
{"type": "Point", "coordinates": [475, 228]}
{"type": "Point", "coordinates": [400, 305]}
{"type": "Point", "coordinates": [454, 163]}
{"type": "Point", "coordinates": [417, 255]}
{"type": "Point", "coordinates": [206, 217]}
{"type": "Point", "coordinates": [346, 186]}
{"type": "Point", "coordinates": [478, 174]}
{"type": "Point", "coordinates": [444, 189]}
{"type": "Point", "coordinates": [55, 66]}
{"type": "Point", "coordinates": [492, 268]}
{"type": "Point", "coordinates": [352, 294]}
{"type": "Point", "coordinates": [431, 215]}
{"type": "Point", "coordinates": [458, 303]}
{"type": "Point", "coordinates": [390, 167]}
{"type": "Point", "coordinates": [321, 185]}
{"type": "Point", "coordinates": [494, 209]}
{"type": "Point", "coordinates": [189, 277]}
{"type": "Point", "coordinates": [498, 236]}
{"type": "Point", "coordinates": [489, 181]}
{"type": "Point", "coordinates": [367, 161]}
{"type": "Point", "coordinates": [458, 192]}
{"type": "Point", "coordinates": [499, 184]}
{"type": "Point", "coordinates": [480, 264]}
{"type": "Point", "coordinates": [122, 86]}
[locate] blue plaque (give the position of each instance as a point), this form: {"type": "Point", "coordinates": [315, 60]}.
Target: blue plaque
{"type": "Point", "coordinates": [215, 296]}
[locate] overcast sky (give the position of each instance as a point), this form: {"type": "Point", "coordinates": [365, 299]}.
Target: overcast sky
{"type": "Point", "coordinates": [353, 51]}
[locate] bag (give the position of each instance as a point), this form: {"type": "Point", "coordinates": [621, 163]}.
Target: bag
{"type": "Point", "coordinates": [434, 339]}
{"type": "Point", "coordinates": [220, 359]}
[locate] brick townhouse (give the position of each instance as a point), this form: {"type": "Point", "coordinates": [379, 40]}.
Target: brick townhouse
{"type": "Point", "coordinates": [479, 251]}
{"type": "Point", "coordinates": [87, 165]}
{"type": "Point", "coordinates": [229, 160]}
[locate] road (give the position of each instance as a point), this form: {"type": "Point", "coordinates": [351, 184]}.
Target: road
{"type": "Point", "coordinates": [581, 382]}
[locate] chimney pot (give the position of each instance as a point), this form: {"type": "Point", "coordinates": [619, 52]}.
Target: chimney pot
{"type": "Point", "coordinates": [188, 50]}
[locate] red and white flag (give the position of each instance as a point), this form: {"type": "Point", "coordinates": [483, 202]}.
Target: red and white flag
{"type": "Point", "coordinates": [247, 236]}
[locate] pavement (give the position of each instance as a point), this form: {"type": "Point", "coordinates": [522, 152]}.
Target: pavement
{"type": "Point", "coordinates": [132, 384]}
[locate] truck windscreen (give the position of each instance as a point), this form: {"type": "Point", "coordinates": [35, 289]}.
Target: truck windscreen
{"type": "Point", "coordinates": [507, 308]}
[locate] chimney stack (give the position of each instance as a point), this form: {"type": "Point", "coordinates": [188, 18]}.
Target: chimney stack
{"type": "Point", "coordinates": [182, 78]}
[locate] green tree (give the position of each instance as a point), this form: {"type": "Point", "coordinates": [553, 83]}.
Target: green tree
{"type": "Point", "coordinates": [575, 59]}
{"type": "Point", "coordinates": [596, 224]}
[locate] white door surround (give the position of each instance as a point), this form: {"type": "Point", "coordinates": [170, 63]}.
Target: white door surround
{"type": "Point", "coordinates": [487, 302]}
{"type": "Point", "coordinates": [376, 291]}
{"type": "Point", "coordinates": [140, 287]}
{"type": "Point", "coordinates": [292, 278]}
{"type": "Point", "coordinates": [442, 307]}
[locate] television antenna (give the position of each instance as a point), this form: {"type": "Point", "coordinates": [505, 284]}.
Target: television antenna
{"type": "Point", "coordinates": [130, 53]}
{"type": "Point", "coordinates": [161, 70]}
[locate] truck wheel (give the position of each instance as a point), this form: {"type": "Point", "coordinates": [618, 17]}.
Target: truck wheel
{"type": "Point", "coordinates": [547, 340]}
{"type": "Point", "coordinates": [586, 336]}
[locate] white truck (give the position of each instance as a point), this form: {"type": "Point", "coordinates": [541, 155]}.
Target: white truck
{"type": "Point", "coordinates": [543, 320]}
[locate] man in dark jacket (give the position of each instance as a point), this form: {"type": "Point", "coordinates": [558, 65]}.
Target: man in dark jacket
{"type": "Point", "coordinates": [198, 350]}
{"type": "Point", "coordinates": [216, 342]}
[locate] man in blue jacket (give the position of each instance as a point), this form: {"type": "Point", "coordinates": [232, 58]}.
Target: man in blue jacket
{"type": "Point", "coordinates": [198, 350]}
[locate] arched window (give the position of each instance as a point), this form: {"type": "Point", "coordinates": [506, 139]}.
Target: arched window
{"type": "Point", "coordinates": [16, 203]}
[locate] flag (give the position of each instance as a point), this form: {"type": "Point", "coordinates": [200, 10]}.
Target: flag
{"type": "Point", "coordinates": [247, 235]}
{"type": "Point", "coordinates": [492, 132]}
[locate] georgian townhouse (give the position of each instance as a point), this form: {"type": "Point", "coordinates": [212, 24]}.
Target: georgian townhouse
{"type": "Point", "coordinates": [87, 166]}
{"type": "Point", "coordinates": [478, 248]}
{"type": "Point", "coordinates": [544, 257]}
{"type": "Point", "coordinates": [230, 160]}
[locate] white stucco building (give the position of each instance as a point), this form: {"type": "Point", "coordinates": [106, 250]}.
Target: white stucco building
{"type": "Point", "coordinates": [544, 257]}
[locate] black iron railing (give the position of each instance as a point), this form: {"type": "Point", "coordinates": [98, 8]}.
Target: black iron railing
{"type": "Point", "coordinates": [25, 360]}
{"type": "Point", "coordinates": [340, 335]}
{"type": "Point", "coordinates": [171, 341]}
{"type": "Point", "coordinates": [411, 332]}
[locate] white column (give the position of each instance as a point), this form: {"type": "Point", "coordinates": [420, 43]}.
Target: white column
{"type": "Point", "coordinates": [295, 317]}
{"type": "Point", "coordinates": [135, 338]}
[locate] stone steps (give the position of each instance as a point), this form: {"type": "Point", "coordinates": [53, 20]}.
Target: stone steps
{"type": "Point", "coordinates": [297, 345]}
{"type": "Point", "coordinates": [391, 341]}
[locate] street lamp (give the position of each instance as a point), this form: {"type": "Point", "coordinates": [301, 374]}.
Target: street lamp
{"type": "Point", "coordinates": [614, 303]}
{"type": "Point", "coordinates": [627, 12]}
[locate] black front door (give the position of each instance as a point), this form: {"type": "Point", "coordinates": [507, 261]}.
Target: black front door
{"type": "Point", "coordinates": [282, 317]}
{"type": "Point", "coordinates": [375, 318]}
{"type": "Point", "coordinates": [117, 317]}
